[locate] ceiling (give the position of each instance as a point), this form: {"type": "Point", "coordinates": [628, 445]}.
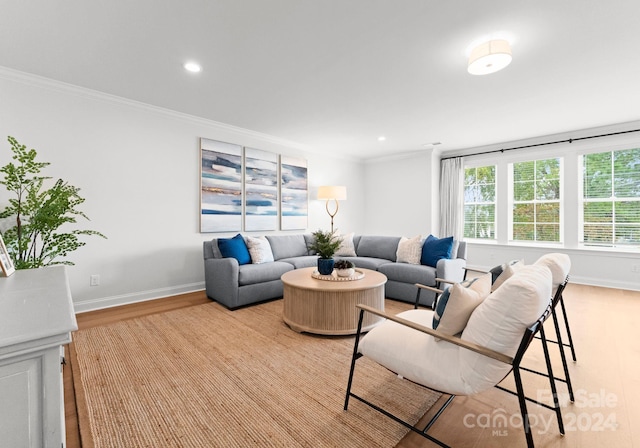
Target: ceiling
{"type": "Point", "coordinates": [334, 75]}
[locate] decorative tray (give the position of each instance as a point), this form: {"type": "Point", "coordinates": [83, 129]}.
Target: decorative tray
{"type": "Point", "coordinates": [335, 278]}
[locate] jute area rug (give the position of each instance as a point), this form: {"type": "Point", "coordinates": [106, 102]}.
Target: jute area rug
{"type": "Point", "coordinates": [204, 376]}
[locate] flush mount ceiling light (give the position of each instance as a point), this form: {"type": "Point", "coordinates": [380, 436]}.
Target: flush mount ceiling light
{"type": "Point", "coordinates": [192, 67]}
{"type": "Point", "coordinates": [489, 57]}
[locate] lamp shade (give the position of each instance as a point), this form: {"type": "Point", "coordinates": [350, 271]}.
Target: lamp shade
{"type": "Point", "coordinates": [489, 57]}
{"type": "Point", "coordinates": [337, 192]}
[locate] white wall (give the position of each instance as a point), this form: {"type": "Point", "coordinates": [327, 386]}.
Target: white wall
{"type": "Point", "coordinates": [402, 195]}
{"type": "Point", "coordinates": [138, 168]}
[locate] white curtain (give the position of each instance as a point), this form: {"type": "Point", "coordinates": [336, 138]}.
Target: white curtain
{"type": "Point", "coordinates": [451, 198]}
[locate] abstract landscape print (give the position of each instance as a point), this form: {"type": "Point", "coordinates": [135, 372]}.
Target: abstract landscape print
{"type": "Point", "coordinates": [261, 190]}
{"type": "Point", "coordinates": [220, 186]}
{"type": "Point", "coordinates": [293, 193]}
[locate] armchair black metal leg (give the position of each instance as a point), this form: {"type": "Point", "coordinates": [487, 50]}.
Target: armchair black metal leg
{"type": "Point", "coordinates": [523, 407]}
{"type": "Point", "coordinates": [439, 413]}
{"type": "Point", "coordinates": [353, 360]}
{"type": "Point", "coordinates": [563, 355]}
{"type": "Point", "coordinates": [566, 323]}
{"type": "Point", "coordinates": [552, 381]}
{"type": "Point", "coordinates": [417, 298]}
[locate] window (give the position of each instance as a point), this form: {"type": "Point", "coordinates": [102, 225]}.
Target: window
{"type": "Point", "coordinates": [480, 202]}
{"type": "Point", "coordinates": [536, 200]}
{"type": "Point", "coordinates": [611, 198]}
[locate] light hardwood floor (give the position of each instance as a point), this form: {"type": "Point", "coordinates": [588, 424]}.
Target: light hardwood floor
{"type": "Point", "coordinates": [606, 379]}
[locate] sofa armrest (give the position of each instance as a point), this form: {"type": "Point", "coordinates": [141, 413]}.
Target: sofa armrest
{"type": "Point", "coordinates": [221, 279]}
{"type": "Point", "coordinates": [452, 270]}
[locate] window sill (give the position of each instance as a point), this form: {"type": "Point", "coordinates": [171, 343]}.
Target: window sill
{"type": "Point", "coordinates": [605, 251]}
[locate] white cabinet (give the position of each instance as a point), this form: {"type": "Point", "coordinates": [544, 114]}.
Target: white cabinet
{"type": "Point", "coordinates": [36, 320]}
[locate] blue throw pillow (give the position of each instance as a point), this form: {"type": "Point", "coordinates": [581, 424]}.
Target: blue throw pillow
{"type": "Point", "coordinates": [434, 249]}
{"type": "Point", "coordinates": [440, 305]}
{"type": "Point", "coordinates": [235, 248]}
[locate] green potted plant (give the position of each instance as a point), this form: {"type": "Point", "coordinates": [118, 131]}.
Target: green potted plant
{"type": "Point", "coordinates": [40, 234]}
{"type": "Point", "coordinates": [344, 268]}
{"type": "Point", "coordinates": [325, 244]}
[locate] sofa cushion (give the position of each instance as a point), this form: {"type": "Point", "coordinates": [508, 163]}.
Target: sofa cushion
{"type": "Point", "coordinates": [409, 273]}
{"type": "Point", "coordinates": [456, 304]}
{"type": "Point", "coordinates": [378, 247]}
{"type": "Point", "coordinates": [251, 274]}
{"type": "Point", "coordinates": [366, 262]}
{"type": "Point", "coordinates": [307, 261]}
{"type": "Point", "coordinates": [308, 241]}
{"type": "Point", "coordinates": [259, 249]}
{"type": "Point", "coordinates": [433, 249]}
{"type": "Point", "coordinates": [409, 250]}
{"type": "Point", "coordinates": [287, 246]}
{"type": "Point", "coordinates": [235, 248]}
{"type": "Point", "coordinates": [211, 249]}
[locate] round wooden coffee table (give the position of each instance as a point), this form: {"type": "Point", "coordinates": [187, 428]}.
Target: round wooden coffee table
{"type": "Point", "coordinates": [329, 307]}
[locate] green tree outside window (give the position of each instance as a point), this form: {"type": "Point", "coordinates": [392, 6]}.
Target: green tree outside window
{"type": "Point", "coordinates": [536, 200]}
{"type": "Point", "coordinates": [480, 202]}
{"type": "Point", "coordinates": [611, 198]}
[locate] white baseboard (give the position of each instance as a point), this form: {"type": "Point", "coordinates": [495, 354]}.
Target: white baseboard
{"type": "Point", "coordinates": [126, 299]}
{"type": "Point", "coordinates": [616, 284]}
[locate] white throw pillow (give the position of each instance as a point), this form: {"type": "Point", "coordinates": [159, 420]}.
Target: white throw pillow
{"type": "Point", "coordinates": [409, 250]}
{"type": "Point", "coordinates": [347, 248]}
{"type": "Point", "coordinates": [458, 302]}
{"type": "Point", "coordinates": [499, 323]}
{"type": "Point", "coordinates": [259, 249]}
{"type": "Point", "coordinates": [559, 265]}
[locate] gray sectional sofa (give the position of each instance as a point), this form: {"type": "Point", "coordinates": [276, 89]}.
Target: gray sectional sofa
{"type": "Point", "coordinates": [235, 285]}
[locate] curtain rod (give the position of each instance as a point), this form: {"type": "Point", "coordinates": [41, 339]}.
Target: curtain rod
{"type": "Point", "coordinates": [569, 140]}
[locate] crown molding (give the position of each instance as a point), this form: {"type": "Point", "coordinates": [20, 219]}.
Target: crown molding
{"type": "Point", "coordinates": [63, 87]}
{"type": "Point", "coordinates": [427, 152]}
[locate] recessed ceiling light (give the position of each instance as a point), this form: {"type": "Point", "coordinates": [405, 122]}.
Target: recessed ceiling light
{"type": "Point", "coordinates": [382, 138]}
{"type": "Point", "coordinates": [192, 67]}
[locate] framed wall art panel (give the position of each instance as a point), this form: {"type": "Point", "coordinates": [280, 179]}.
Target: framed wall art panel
{"type": "Point", "coordinates": [220, 186]}
{"type": "Point", "coordinates": [261, 190]}
{"type": "Point", "coordinates": [294, 202]}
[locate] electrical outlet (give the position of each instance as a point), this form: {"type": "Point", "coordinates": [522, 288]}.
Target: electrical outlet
{"type": "Point", "coordinates": [635, 268]}
{"type": "Point", "coordinates": [94, 280]}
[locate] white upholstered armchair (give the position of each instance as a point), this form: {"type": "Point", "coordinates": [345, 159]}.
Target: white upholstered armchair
{"type": "Point", "coordinates": [490, 346]}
